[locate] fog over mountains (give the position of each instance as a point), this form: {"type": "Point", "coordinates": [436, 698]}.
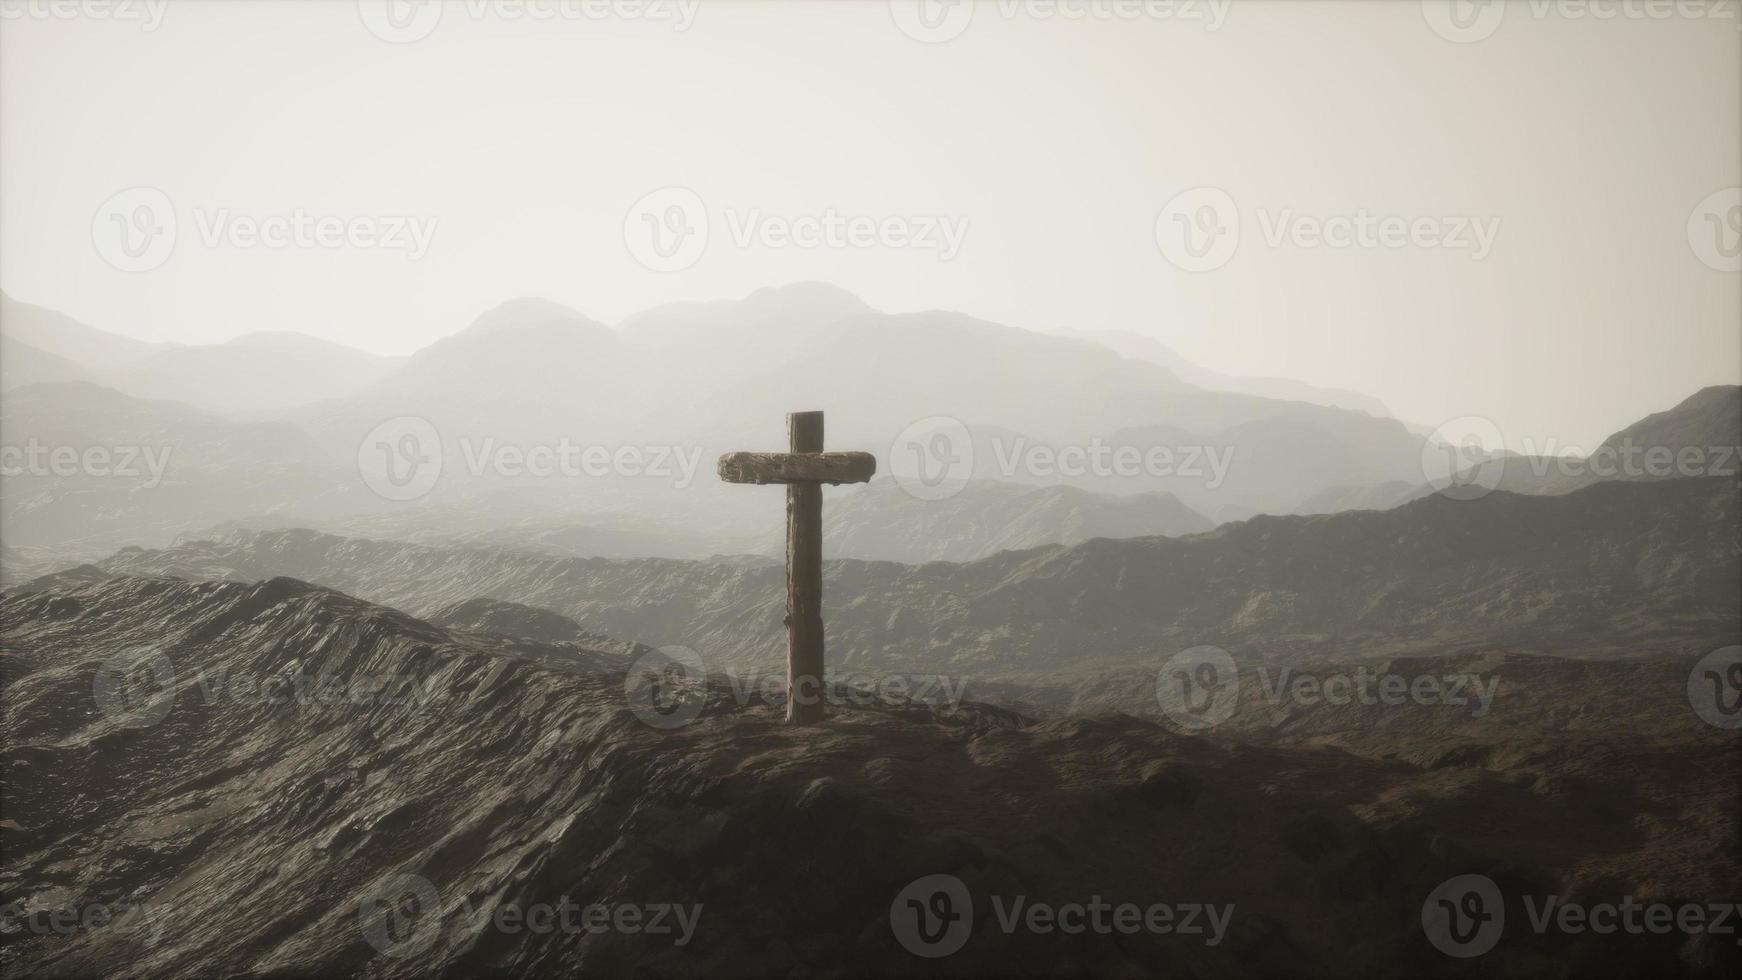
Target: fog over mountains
{"type": "Point", "coordinates": [233, 648]}
{"type": "Point", "coordinates": [725, 490]}
{"type": "Point", "coordinates": [268, 430]}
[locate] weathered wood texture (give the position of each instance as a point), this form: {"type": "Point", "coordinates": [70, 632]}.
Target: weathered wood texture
{"type": "Point", "coordinates": [805, 702]}
{"type": "Point", "coordinates": [797, 467]}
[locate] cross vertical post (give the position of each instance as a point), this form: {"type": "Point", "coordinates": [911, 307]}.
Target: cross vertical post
{"type": "Point", "coordinates": [804, 468]}
{"type": "Point", "coordinates": [804, 579]}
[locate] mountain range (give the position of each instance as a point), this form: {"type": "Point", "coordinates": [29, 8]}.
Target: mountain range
{"type": "Point", "coordinates": [1608, 571]}
{"type": "Point", "coordinates": [1006, 408]}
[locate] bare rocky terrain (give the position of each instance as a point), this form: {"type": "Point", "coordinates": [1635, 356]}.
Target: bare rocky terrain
{"type": "Point", "coordinates": [257, 825]}
{"type": "Point", "coordinates": [1613, 570]}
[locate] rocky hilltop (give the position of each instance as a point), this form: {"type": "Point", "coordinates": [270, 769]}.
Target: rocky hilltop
{"type": "Point", "coordinates": [285, 780]}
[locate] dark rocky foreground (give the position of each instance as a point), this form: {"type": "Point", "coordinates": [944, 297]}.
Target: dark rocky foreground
{"type": "Point", "coordinates": [471, 780]}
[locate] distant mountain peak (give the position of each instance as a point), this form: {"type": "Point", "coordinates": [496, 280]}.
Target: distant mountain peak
{"type": "Point", "coordinates": [528, 311]}
{"type": "Point", "coordinates": [809, 300]}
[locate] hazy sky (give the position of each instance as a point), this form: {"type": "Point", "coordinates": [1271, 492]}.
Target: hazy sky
{"type": "Point", "coordinates": [1540, 176]}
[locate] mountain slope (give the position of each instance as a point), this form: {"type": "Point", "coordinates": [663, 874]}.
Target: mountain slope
{"type": "Point", "coordinates": [268, 834]}
{"type": "Point", "coordinates": [95, 351]}
{"type": "Point", "coordinates": [1699, 437]}
{"type": "Point", "coordinates": [1615, 568]}
{"type": "Point", "coordinates": [134, 471]}
{"type": "Point", "coordinates": [1146, 348]}
{"type": "Point", "coordinates": [22, 364]}
{"type": "Point", "coordinates": [253, 374]}
{"type": "Point", "coordinates": [883, 522]}
{"type": "Point", "coordinates": [719, 377]}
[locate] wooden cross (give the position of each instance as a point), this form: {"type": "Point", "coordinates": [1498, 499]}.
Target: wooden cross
{"type": "Point", "coordinates": [804, 470]}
